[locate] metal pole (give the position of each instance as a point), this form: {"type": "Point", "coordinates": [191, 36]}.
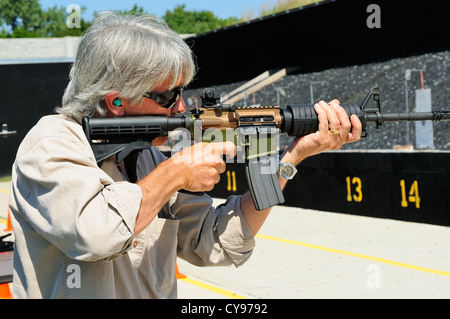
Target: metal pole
{"type": "Point", "coordinates": [408, 78]}
{"type": "Point", "coordinates": [407, 110]}
{"type": "Point", "coordinates": [311, 90]}
{"type": "Point", "coordinates": [280, 91]}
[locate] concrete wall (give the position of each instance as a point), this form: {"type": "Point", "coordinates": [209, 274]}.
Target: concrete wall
{"type": "Point", "coordinates": [35, 48]}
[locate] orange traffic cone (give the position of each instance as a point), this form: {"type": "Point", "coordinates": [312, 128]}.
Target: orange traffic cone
{"type": "Point", "coordinates": [5, 293]}
{"type": "Point", "coordinates": [8, 224]}
{"type": "Point", "coordinates": [179, 274]}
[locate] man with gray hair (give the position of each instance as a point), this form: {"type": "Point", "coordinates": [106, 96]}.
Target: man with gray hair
{"type": "Point", "coordinates": [115, 231]}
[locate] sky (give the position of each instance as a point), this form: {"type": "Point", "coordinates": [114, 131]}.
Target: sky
{"type": "Point", "coordinates": [221, 8]}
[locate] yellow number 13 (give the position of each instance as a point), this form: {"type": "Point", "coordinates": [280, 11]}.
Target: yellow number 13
{"type": "Point", "coordinates": [357, 196]}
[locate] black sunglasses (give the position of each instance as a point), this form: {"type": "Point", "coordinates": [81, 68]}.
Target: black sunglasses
{"type": "Point", "coordinates": [166, 99]}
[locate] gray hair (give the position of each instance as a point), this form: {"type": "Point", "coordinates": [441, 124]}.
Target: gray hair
{"type": "Point", "coordinates": [128, 53]}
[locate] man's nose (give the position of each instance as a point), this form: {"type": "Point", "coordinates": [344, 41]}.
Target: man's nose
{"type": "Point", "coordinates": [179, 107]}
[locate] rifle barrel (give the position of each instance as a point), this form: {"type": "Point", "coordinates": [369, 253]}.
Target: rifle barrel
{"type": "Point", "coordinates": [412, 116]}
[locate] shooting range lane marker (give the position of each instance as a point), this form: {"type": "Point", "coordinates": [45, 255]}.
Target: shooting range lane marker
{"type": "Point", "coordinates": [343, 252]}
{"type": "Point", "coordinates": [212, 288]}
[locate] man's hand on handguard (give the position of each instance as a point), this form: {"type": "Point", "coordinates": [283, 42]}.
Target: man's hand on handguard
{"type": "Point", "coordinates": [335, 130]}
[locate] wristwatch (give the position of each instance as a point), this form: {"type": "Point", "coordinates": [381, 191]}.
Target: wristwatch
{"type": "Point", "coordinates": [286, 170]}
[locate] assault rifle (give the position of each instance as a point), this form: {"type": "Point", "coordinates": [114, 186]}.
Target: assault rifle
{"type": "Point", "coordinates": [123, 135]}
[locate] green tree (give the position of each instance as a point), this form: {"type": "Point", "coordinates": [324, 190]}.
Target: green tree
{"type": "Point", "coordinates": [53, 24]}
{"type": "Point", "coordinates": [20, 15]}
{"type": "Point", "coordinates": [188, 22]}
{"type": "Point", "coordinates": [26, 19]}
{"type": "Point", "coordinates": [135, 9]}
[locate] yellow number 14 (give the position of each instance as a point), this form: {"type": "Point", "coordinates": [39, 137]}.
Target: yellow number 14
{"type": "Point", "coordinates": [413, 194]}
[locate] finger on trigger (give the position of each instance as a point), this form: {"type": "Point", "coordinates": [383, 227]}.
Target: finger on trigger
{"type": "Point", "coordinates": [224, 148]}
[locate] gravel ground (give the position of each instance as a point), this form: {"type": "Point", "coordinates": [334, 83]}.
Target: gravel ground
{"type": "Point", "coordinates": [351, 84]}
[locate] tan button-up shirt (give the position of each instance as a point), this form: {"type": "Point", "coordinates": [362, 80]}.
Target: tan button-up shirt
{"type": "Point", "coordinates": [73, 223]}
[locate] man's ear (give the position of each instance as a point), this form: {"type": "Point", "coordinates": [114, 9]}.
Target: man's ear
{"type": "Point", "coordinates": [114, 103]}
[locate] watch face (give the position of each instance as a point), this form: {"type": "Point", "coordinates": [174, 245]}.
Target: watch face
{"type": "Point", "coordinates": [286, 172]}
